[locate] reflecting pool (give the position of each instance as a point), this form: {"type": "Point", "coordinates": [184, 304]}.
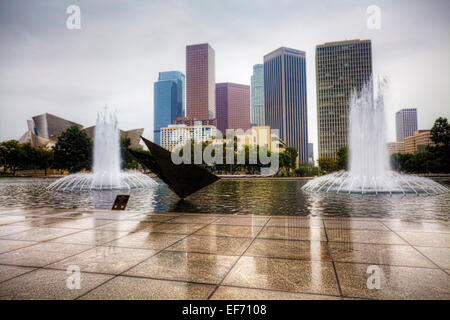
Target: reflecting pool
{"type": "Point", "coordinates": [255, 196]}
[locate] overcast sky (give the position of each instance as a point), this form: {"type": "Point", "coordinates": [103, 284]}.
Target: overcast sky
{"type": "Point", "coordinates": [115, 57]}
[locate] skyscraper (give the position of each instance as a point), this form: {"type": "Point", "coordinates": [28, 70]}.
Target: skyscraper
{"type": "Point", "coordinates": [340, 68]}
{"type": "Point", "coordinates": [200, 82]}
{"type": "Point", "coordinates": [257, 96]}
{"type": "Point", "coordinates": [405, 123]}
{"type": "Point", "coordinates": [285, 97]}
{"type": "Point", "coordinates": [168, 101]}
{"type": "Point", "coordinates": [232, 106]}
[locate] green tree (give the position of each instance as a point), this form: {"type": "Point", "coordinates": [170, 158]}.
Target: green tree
{"type": "Point", "coordinates": [11, 155]}
{"type": "Point", "coordinates": [73, 151]}
{"type": "Point", "coordinates": [440, 133]}
{"type": "Point", "coordinates": [342, 158]}
{"type": "Point", "coordinates": [293, 153]}
{"type": "Point", "coordinates": [327, 164]}
{"type": "Point", "coordinates": [44, 159]}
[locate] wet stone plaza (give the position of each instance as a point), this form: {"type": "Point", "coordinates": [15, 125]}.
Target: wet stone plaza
{"type": "Point", "coordinates": [176, 255]}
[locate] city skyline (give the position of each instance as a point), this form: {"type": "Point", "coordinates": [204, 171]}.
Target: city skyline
{"type": "Point", "coordinates": [73, 73]}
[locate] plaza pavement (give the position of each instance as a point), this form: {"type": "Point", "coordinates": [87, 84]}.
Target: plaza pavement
{"type": "Point", "coordinates": [135, 255]}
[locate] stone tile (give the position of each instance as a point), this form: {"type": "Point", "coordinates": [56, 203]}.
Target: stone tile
{"type": "Point", "coordinates": [128, 288]}
{"type": "Point", "coordinates": [242, 221]}
{"type": "Point", "coordinates": [146, 240]}
{"type": "Point", "coordinates": [304, 250]}
{"type": "Point", "coordinates": [8, 245]}
{"type": "Point", "coordinates": [296, 222]}
{"type": "Point", "coordinates": [193, 219]}
{"type": "Point", "coordinates": [440, 256]}
{"type": "Point", "coordinates": [217, 245]}
{"type": "Point", "coordinates": [128, 225]}
{"type": "Point", "coordinates": [417, 226]}
{"type": "Point", "coordinates": [395, 282]}
{"type": "Point", "coordinates": [11, 229]}
{"type": "Point", "coordinates": [114, 215]}
{"type": "Point", "coordinates": [41, 254]}
{"type": "Point", "coordinates": [293, 233]}
{"type": "Point", "coordinates": [105, 259]}
{"type": "Point", "coordinates": [179, 228]}
{"type": "Point", "coordinates": [85, 223]}
{"type": "Point", "coordinates": [396, 255]}
{"type": "Point", "coordinates": [185, 266]}
{"type": "Point", "coordinates": [230, 231]}
{"type": "Point", "coordinates": [427, 239]}
{"type": "Point", "coordinates": [40, 234]}
{"type": "Point", "coordinates": [44, 284]}
{"type": "Point", "coordinates": [354, 224]}
{"type": "Point", "coordinates": [364, 236]}
{"type": "Point", "coordinates": [10, 219]}
{"type": "Point", "coordinates": [235, 293]}
{"type": "Point", "coordinates": [92, 237]}
{"type": "Point", "coordinates": [282, 274]}
{"type": "Point", "coordinates": [8, 272]}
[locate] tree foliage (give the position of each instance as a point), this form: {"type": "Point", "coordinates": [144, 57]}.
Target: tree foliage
{"type": "Point", "coordinates": [342, 158]}
{"type": "Point", "coordinates": [73, 151]}
{"type": "Point", "coordinates": [327, 164]}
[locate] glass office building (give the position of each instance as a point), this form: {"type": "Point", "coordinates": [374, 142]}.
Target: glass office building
{"type": "Point", "coordinates": [285, 105]}
{"type": "Point", "coordinates": [340, 68]}
{"type": "Point", "coordinates": [405, 123]}
{"type": "Point", "coordinates": [169, 92]}
{"type": "Point", "coordinates": [257, 96]}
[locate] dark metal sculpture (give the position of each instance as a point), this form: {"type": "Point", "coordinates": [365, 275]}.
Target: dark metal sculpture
{"type": "Point", "coordinates": [183, 179]}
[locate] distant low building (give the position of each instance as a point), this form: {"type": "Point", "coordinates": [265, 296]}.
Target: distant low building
{"type": "Point", "coordinates": [396, 147]}
{"type": "Point", "coordinates": [176, 135]}
{"type": "Point", "coordinates": [417, 142]}
{"type": "Point", "coordinates": [261, 136]}
{"type": "Point", "coordinates": [44, 130]}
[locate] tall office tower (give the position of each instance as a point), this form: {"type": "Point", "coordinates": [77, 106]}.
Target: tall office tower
{"type": "Point", "coordinates": [405, 123]}
{"type": "Point", "coordinates": [285, 97]}
{"type": "Point", "coordinates": [178, 76]}
{"type": "Point", "coordinates": [257, 96]}
{"type": "Point", "coordinates": [311, 153]}
{"type": "Point", "coordinates": [200, 82]}
{"type": "Point", "coordinates": [168, 101]}
{"type": "Point", "coordinates": [340, 68]}
{"type": "Point", "coordinates": [232, 106]}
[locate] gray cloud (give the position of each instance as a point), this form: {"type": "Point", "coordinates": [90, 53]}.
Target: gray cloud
{"type": "Point", "coordinates": [116, 56]}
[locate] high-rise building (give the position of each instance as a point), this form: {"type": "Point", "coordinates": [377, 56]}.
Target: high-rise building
{"type": "Point", "coordinates": [177, 76]}
{"type": "Point", "coordinates": [200, 82]}
{"type": "Point", "coordinates": [340, 68]}
{"type": "Point", "coordinates": [257, 96]}
{"type": "Point", "coordinates": [311, 153]}
{"type": "Point", "coordinates": [232, 106]}
{"type": "Point", "coordinates": [168, 101]}
{"type": "Point", "coordinates": [405, 123]}
{"type": "Point", "coordinates": [285, 97]}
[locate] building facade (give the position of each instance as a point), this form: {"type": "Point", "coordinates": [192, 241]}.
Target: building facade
{"type": "Point", "coordinates": [176, 135]}
{"type": "Point", "coordinates": [396, 147]}
{"type": "Point", "coordinates": [341, 67]}
{"type": "Point", "coordinates": [311, 153]}
{"type": "Point", "coordinates": [405, 123]}
{"type": "Point", "coordinates": [285, 105]}
{"type": "Point", "coordinates": [418, 141]}
{"type": "Point", "coordinates": [200, 82]}
{"type": "Point", "coordinates": [191, 122]}
{"type": "Point", "coordinates": [168, 101]}
{"type": "Point", "coordinates": [232, 106]}
{"type": "Point", "coordinates": [257, 96]}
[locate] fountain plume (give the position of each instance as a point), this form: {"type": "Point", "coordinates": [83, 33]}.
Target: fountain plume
{"type": "Point", "coordinates": [106, 173]}
{"type": "Point", "coordinates": [369, 169]}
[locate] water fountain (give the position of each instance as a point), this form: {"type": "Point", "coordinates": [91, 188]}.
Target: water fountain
{"type": "Point", "coordinates": [369, 169]}
{"type": "Point", "coordinates": [106, 173]}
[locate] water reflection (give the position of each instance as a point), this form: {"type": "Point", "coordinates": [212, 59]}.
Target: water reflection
{"type": "Point", "coordinates": [260, 197]}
